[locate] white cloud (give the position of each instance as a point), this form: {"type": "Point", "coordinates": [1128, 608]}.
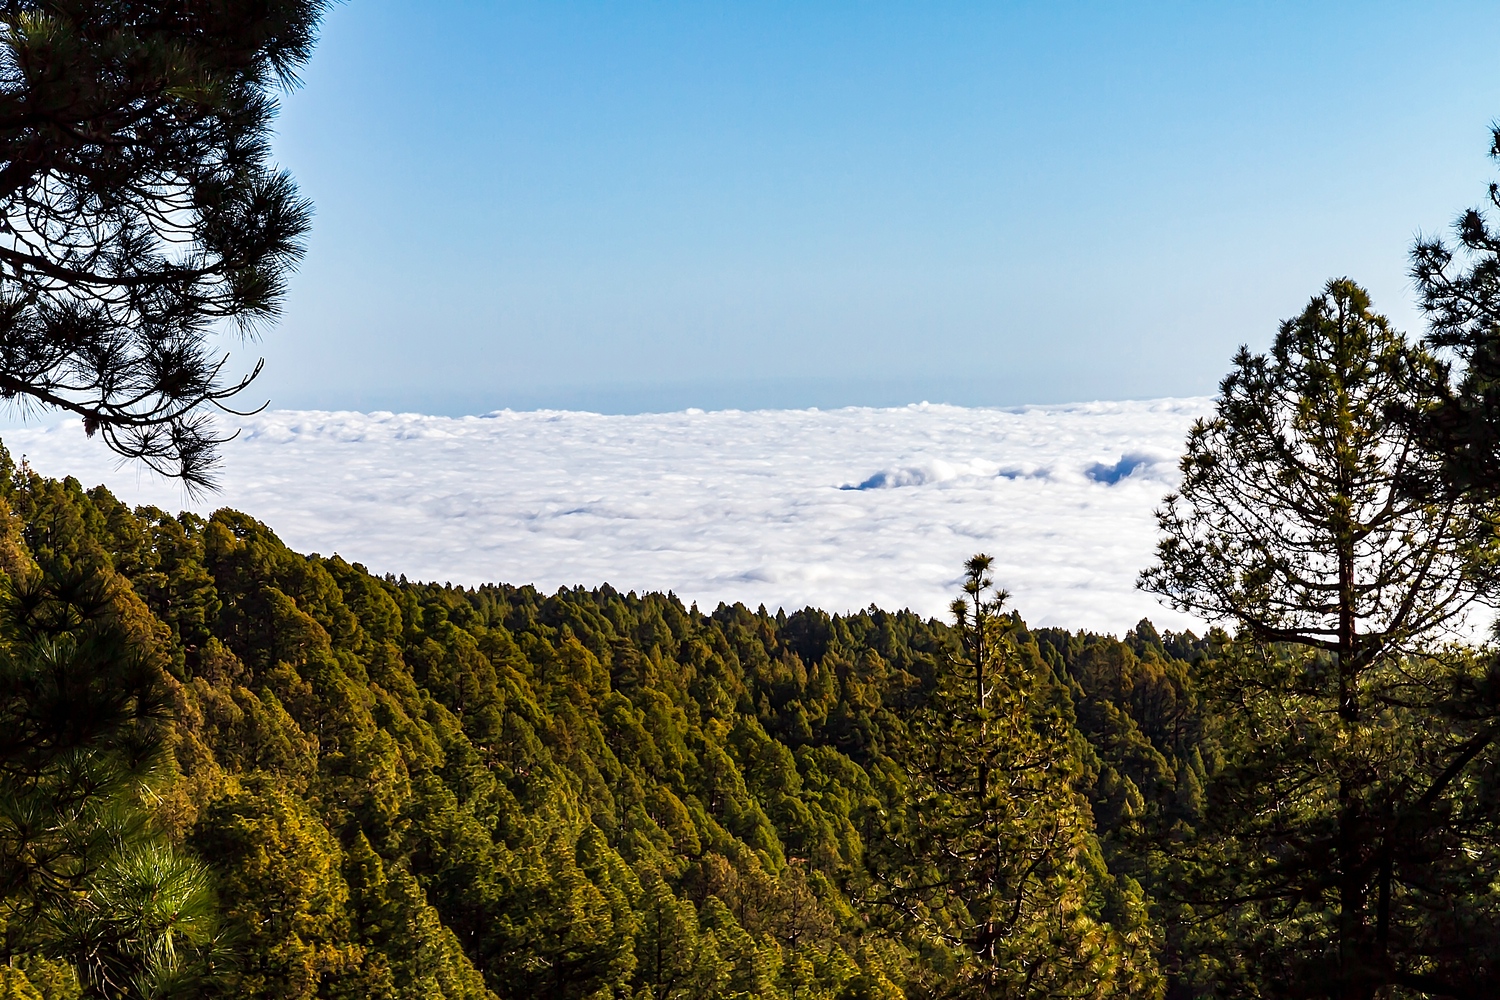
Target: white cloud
{"type": "Point", "coordinates": [836, 508]}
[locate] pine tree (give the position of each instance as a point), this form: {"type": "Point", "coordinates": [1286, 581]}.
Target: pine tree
{"type": "Point", "coordinates": [1459, 287]}
{"type": "Point", "coordinates": [139, 209]}
{"type": "Point", "coordinates": [993, 856]}
{"type": "Point", "coordinates": [1345, 840]}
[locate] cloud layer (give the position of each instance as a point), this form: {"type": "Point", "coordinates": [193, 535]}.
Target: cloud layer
{"type": "Point", "coordinates": [835, 508]}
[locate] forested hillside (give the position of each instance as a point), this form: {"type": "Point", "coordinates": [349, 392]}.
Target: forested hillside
{"type": "Point", "coordinates": [419, 790]}
{"type": "Point", "coordinates": [227, 768]}
{"type": "Point", "coordinates": [230, 769]}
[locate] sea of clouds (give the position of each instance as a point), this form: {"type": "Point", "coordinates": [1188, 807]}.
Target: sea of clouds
{"type": "Point", "coordinates": [835, 508]}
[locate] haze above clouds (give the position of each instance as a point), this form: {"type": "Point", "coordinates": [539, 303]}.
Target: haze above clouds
{"type": "Point", "coordinates": [646, 207]}
{"type": "Point", "coordinates": [833, 508]}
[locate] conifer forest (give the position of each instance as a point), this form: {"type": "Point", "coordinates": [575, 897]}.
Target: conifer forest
{"type": "Point", "coordinates": [232, 769]}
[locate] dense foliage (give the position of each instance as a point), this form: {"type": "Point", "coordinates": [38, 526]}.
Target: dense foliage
{"type": "Point", "coordinates": [408, 790]}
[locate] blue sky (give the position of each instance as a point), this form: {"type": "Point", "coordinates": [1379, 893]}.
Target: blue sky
{"type": "Point", "coordinates": [637, 207]}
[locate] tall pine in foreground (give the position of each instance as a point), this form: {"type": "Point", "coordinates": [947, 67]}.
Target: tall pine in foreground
{"type": "Point", "coordinates": [993, 857]}
{"type": "Point", "coordinates": [1350, 843]}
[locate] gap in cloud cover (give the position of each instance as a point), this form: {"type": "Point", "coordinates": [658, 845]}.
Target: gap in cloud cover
{"type": "Point", "coordinates": [1136, 463]}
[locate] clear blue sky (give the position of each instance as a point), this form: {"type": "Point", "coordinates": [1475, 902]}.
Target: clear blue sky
{"type": "Point", "coordinates": [642, 206]}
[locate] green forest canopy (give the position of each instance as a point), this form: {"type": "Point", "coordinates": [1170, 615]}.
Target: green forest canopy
{"type": "Point", "coordinates": [413, 790]}
{"type": "Point", "coordinates": [228, 768]}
